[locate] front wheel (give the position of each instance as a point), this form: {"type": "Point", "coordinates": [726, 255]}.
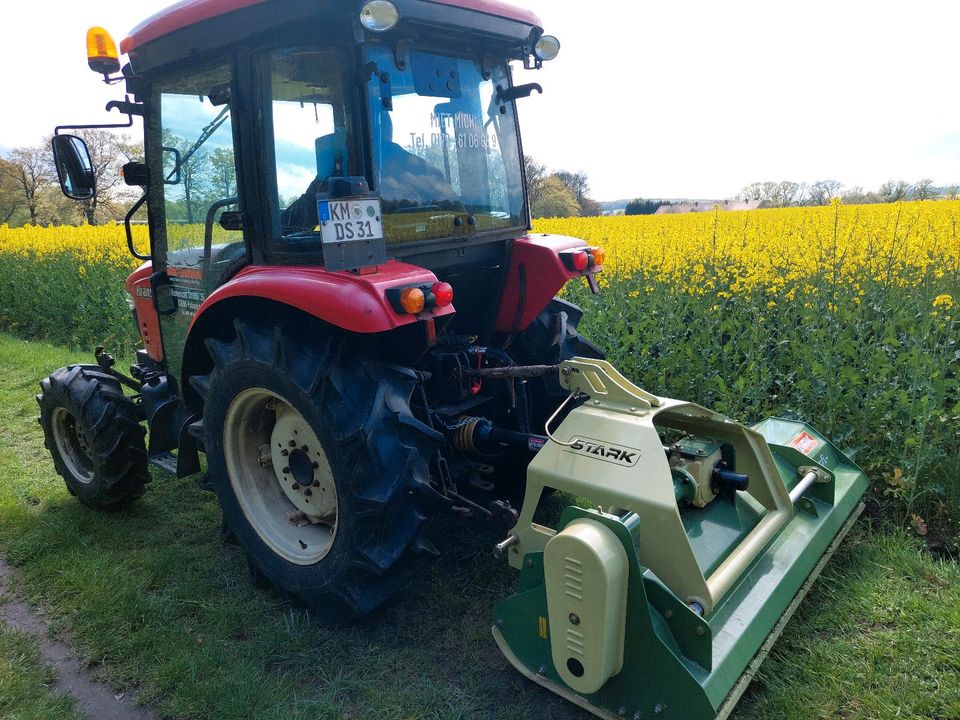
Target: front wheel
{"type": "Point", "coordinates": [94, 436]}
{"type": "Point", "coordinates": [317, 462]}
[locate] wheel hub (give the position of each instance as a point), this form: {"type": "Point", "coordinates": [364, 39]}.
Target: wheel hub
{"type": "Point", "coordinates": [290, 500]}
{"type": "Point", "coordinates": [301, 466]}
{"type": "Point", "coordinates": [72, 445]}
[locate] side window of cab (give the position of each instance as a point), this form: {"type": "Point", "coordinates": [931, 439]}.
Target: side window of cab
{"type": "Point", "coordinates": [199, 167]}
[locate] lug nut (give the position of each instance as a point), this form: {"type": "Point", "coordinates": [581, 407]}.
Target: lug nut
{"type": "Point", "coordinates": [293, 443]}
{"type": "Point", "coordinates": [308, 492]}
{"type": "Point", "coordinates": [296, 486]}
{"type": "Point", "coordinates": [304, 449]}
{"type": "Point", "coordinates": [284, 452]}
{"type": "Point", "coordinates": [286, 471]}
{"type": "Point", "coordinates": [316, 465]}
{"type": "Point", "coordinates": [316, 483]}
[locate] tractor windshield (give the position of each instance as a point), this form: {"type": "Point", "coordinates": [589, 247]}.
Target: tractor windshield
{"type": "Point", "coordinates": [445, 150]}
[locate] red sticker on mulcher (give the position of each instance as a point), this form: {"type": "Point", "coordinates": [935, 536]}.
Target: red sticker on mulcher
{"type": "Point", "coordinates": [804, 442]}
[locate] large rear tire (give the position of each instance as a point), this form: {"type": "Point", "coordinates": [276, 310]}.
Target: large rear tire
{"type": "Point", "coordinates": [92, 432]}
{"type": "Point", "coordinates": [317, 462]}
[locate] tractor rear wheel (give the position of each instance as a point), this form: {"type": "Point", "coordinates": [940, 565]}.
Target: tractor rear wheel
{"type": "Point", "coordinates": [92, 432]}
{"type": "Point", "coordinates": [317, 462]}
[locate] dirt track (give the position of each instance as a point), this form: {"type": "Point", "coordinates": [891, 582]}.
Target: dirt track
{"type": "Point", "coordinates": [93, 698]}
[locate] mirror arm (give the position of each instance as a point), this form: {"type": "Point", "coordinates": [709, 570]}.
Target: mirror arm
{"type": "Point", "coordinates": [126, 226]}
{"type": "Point", "coordinates": [127, 107]}
{"type": "Point", "coordinates": [516, 92]}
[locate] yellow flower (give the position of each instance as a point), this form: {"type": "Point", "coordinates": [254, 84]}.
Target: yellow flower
{"type": "Point", "coordinates": [945, 301]}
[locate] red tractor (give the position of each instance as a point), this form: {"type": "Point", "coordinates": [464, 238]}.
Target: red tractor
{"type": "Point", "coordinates": [320, 179]}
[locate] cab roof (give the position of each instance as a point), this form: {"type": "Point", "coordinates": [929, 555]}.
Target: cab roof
{"type": "Point", "coordinates": [190, 12]}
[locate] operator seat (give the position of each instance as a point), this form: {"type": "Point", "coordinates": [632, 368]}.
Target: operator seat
{"type": "Point", "coordinates": [405, 176]}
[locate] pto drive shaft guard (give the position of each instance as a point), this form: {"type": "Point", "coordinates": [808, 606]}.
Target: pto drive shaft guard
{"type": "Point", "coordinates": [649, 606]}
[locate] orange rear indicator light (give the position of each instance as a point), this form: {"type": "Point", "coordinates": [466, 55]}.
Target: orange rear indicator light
{"type": "Point", "coordinates": [412, 300]}
{"type": "Point", "coordinates": [598, 255]}
{"type": "Point", "coordinates": [102, 55]}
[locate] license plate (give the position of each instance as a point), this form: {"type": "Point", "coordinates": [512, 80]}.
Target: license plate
{"type": "Point", "coordinates": [350, 220]}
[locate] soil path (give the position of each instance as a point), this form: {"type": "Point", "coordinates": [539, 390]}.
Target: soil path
{"type": "Point", "coordinates": [91, 697]}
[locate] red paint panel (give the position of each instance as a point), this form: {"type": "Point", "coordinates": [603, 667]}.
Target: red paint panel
{"type": "Point", "coordinates": [190, 12]}
{"type": "Point", "coordinates": [357, 303]}
{"type": "Point", "coordinates": [495, 7]}
{"type": "Point", "coordinates": [148, 322]}
{"type": "Point", "coordinates": [545, 275]}
{"type": "Point", "coordinates": [178, 16]}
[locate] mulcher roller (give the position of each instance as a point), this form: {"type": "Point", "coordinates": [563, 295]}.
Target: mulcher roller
{"type": "Point", "coordinates": [661, 598]}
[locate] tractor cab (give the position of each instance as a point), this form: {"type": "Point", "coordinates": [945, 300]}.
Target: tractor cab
{"type": "Point", "coordinates": [371, 138]}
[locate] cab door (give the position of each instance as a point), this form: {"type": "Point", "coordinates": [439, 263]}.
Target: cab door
{"type": "Point", "coordinates": [193, 139]}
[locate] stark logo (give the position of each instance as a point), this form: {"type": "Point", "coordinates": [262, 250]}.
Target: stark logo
{"type": "Point", "coordinates": [605, 451]}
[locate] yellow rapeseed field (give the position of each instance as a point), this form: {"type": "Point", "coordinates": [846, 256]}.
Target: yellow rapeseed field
{"type": "Point", "coordinates": [842, 315]}
{"type": "Point", "coordinates": [775, 250]}
{"type": "Point", "coordinates": [699, 253]}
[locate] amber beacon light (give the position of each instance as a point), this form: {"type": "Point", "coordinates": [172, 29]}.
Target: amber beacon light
{"type": "Point", "coordinates": [102, 55]}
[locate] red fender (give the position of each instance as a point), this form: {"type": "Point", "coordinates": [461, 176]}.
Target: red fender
{"type": "Point", "coordinates": [357, 303]}
{"type": "Point", "coordinates": [545, 274]}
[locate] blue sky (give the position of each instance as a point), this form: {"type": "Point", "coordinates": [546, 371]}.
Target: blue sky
{"type": "Point", "coordinates": [681, 99]}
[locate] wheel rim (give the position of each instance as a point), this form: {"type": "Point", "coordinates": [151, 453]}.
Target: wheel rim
{"type": "Point", "coordinates": [280, 475]}
{"type": "Point", "coordinates": [71, 445]}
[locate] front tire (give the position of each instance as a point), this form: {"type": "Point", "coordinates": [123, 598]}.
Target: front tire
{"type": "Point", "coordinates": [94, 436]}
{"type": "Point", "coordinates": [317, 462]}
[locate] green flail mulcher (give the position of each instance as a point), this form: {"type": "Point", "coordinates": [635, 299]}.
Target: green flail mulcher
{"type": "Point", "coordinates": [699, 540]}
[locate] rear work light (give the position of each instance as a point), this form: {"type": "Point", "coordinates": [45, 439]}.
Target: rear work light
{"type": "Point", "coordinates": [417, 298]}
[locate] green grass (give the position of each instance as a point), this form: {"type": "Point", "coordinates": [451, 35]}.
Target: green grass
{"type": "Point", "coordinates": [154, 599]}
{"type": "Point", "coordinates": [25, 682]}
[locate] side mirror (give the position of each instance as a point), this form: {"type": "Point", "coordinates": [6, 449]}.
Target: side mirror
{"type": "Point", "coordinates": [74, 167]}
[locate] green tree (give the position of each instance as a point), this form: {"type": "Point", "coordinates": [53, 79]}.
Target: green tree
{"type": "Point", "coordinates": [639, 206]}
{"type": "Point", "coordinates": [11, 201]}
{"type": "Point", "coordinates": [184, 199]}
{"type": "Point", "coordinates": [555, 200]}
{"type": "Point", "coordinates": [29, 172]}
{"type": "Point", "coordinates": [535, 173]}
{"type": "Point", "coordinates": [223, 173]}
{"type": "Point", "coordinates": [109, 152]}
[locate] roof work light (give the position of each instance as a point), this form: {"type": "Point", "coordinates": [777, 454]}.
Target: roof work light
{"type": "Point", "coordinates": [547, 48]}
{"type": "Point", "coordinates": [379, 15]}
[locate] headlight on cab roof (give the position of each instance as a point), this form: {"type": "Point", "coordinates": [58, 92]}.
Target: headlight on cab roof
{"type": "Point", "coordinates": [547, 48]}
{"type": "Point", "coordinates": [379, 15]}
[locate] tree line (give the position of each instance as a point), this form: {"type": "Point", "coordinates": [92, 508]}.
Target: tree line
{"type": "Point", "coordinates": [30, 193]}
{"type": "Point", "coordinates": [789, 194]}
